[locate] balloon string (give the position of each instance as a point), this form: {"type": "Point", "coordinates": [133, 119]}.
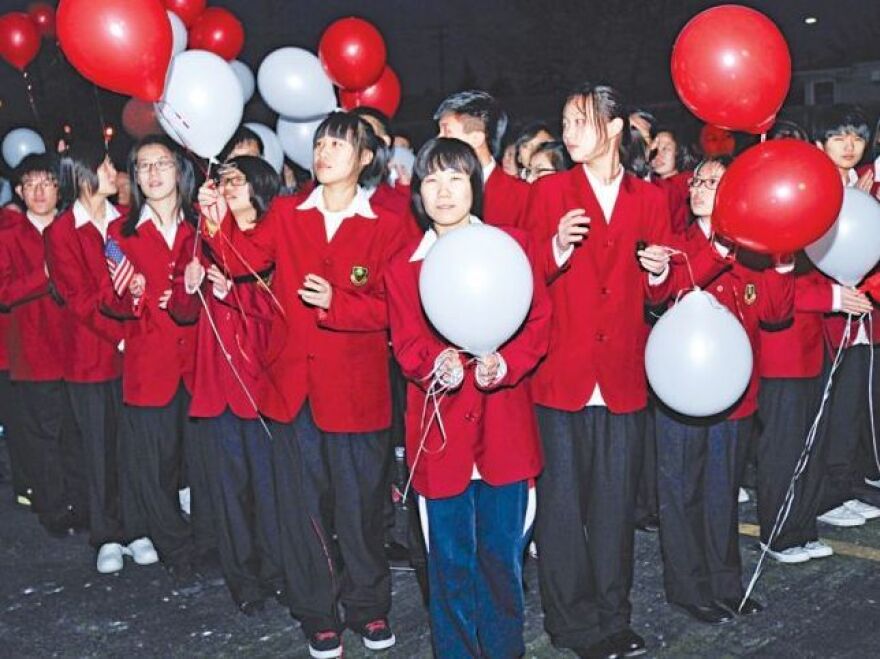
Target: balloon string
{"type": "Point", "coordinates": [229, 361]}
{"type": "Point", "coordinates": [763, 137]}
{"type": "Point", "coordinates": [801, 466]}
{"type": "Point", "coordinates": [677, 252]}
{"type": "Point", "coordinates": [29, 88]}
{"type": "Point", "coordinates": [103, 125]}
{"type": "Point", "coordinates": [260, 281]}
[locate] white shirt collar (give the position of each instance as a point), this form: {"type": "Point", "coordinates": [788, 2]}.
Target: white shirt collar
{"type": "Point", "coordinates": [81, 216]}
{"type": "Point", "coordinates": [598, 184]}
{"type": "Point", "coordinates": [360, 205]}
{"type": "Point", "coordinates": [37, 225]}
{"type": "Point", "coordinates": [877, 170]}
{"type": "Point", "coordinates": [148, 214]}
{"type": "Point", "coordinates": [430, 238]}
{"type": "Point", "coordinates": [488, 169]}
{"type": "Point", "coordinates": [705, 225]}
{"type": "Point", "coordinates": [606, 193]}
{"type": "Point", "coordinates": [852, 177]}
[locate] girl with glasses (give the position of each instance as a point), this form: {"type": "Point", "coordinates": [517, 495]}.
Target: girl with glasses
{"type": "Point", "coordinates": [237, 448]}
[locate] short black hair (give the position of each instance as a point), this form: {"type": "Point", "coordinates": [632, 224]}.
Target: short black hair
{"type": "Point", "coordinates": [438, 154]}
{"type": "Point", "coordinates": [787, 128]}
{"type": "Point", "coordinates": [840, 119]}
{"type": "Point", "coordinates": [357, 132]}
{"type": "Point", "coordinates": [529, 132]}
{"type": "Point", "coordinates": [79, 169]}
{"type": "Point", "coordinates": [242, 134]}
{"type": "Point", "coordinates": [482, 106]}
{"type": "Point", "coordinates": [263, 181]}
{"type": "Point", "coordinates": [37, 163]}
{"type": "Point", "coordinates": [649, 118]}
{"type": "Point", "coordinates": [557, 153]}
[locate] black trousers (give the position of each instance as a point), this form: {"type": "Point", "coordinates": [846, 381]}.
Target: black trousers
{"type": "Point", "coordinates": [328, 482]}
{"type": "Point", "coordinates": [787, 408]}
{"type": "Point", "coordinates": [96, 409]}
{"type": "Point", "coordinates": [242, 487]}
{"type": "Point", "coordinates": [21, 480]}
{"type": "Point", "coordinates": [51, 450]}
{"type": "Point", "coordinates": [151, 446]}
{"type": "Point", "coordinates": [699, 468]}
{"type": "Point", "coordinates": [646, 496]}
{"type": "Point", "coordinates": [586, 520]}
{"type": "Point", "coordinates": [195, 476]}
{"type": "Point", "coordinates": [847, 423]}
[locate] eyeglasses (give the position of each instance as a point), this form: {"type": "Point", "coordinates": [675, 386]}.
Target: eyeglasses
{"type": "Point", "coordinates": [708, 183]}
{"type": "Point", "coordinates": [43, 184]}
{"type": "Point", "coordinates": [235, 181]}
{"type": "Point", "coordinates": [162, 165]}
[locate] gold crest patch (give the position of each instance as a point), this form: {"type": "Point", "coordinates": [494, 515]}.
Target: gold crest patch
{"type": "Point", "coordinates": [359, 275]}
{"type": "Point", "coordinates": [751, 294]}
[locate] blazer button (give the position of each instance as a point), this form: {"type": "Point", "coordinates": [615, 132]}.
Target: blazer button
{"type": "Point", "coordinates": [609, 243]}
{"type": "Point", "coordinates": [600, 337]}
{"type": "Point", "coordinates": [310, 357]}
{"type": "Point", "coordinates": [720, 289]}
{"type": "Point", "coordinates": [604, 291]}
{"type": "Point", "coordinates": [328, 261]}
{"type": "Point", "coordinates": [180, 342]}
{"type": "Point", "coordinates": [469, 417]}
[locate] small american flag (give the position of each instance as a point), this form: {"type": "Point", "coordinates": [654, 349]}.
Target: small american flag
{"type": "Point", "coordinates": [121, 269]}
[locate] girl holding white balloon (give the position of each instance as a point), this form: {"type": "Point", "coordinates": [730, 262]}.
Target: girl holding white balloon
{"type": "Point", "coordinates": [590, 390]}
{"type": "Point", "coordinates": [327, 386]}
{"type": "Point", "coordinates": [472, 457]}
{"type": "Point", "coordinates": [700, 460]}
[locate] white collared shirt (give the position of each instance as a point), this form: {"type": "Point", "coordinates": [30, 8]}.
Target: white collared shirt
{"type": "Point", "coordinates": [360, 205]}
{"type": "Point", "coordinates": [606, 193]}
{"type": "Point", "coordinates": [81, 217]}
{"type": "Point", "coordinates": [167, 231]}
{"type": "Point", "coordinates": [488, 169]}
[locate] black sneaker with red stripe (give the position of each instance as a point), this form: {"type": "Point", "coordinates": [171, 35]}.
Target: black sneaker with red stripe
{"type": "Point", "coordinates": [377, 634]}
{"type": "Point", "coordinates": [325, 645]}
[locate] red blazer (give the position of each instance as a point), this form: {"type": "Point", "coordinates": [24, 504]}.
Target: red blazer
{"type": "Point", "coordinates": [678, 196]}
{"type": "Point", "coordinates": [798, 350]}
{"type": "Point", "coordinates": [493, 429]}
{"type": "Point", "coordinates": [159, 353]}
{"type": "Point", "coordinates": [504, 198]}
{"type": "Point", "coordinates": [38, 338]}
{"type": "Point", "coordinates": [243, 320]}
{"type": "Point", "coordinates": [597, 332]}
{"type": "Point", "coordinates": [79, 272]}
{"type": "Point", "coordinates": [338, 360]}
{"type": "Point", "coordinates": [754, 297]}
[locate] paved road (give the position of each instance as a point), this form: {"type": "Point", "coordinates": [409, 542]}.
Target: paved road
{"type": "Point", "coordinates": [53, 603]}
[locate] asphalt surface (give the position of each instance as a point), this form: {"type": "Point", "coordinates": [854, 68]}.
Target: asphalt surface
{"type": "Point", "coordinates": [54, 603]}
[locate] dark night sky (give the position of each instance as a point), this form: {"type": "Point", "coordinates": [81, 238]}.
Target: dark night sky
{"type": "Point", "coordinates": [526, 52]}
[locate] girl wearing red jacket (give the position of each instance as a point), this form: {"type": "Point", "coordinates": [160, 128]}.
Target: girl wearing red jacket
{"type": "Point", "coordinates": [238, 449]}
{"type": "Point", "coordinates": [158, 367]}
{"type": "Point", "coordinates": [476, 503]}
{"type": "Point", "coordinates": [327, 388]}
{"type": "Point", "coordinates": [591, 389]}
{"type": "Point", "coordinates": [700, 461]}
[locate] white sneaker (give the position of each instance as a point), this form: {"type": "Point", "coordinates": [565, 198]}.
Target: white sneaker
{"type": "Point", "coordinates": [866, 510]}
{"type": "Point", "coordinates": [184, 499]}
{"type": "Point", "coordinates": [142, 551]}
{"type": "Point", "coordinates": [533, 550]}
{"type": "Point", "coordinates": [818, 549]}
{"type": "Point", "coordinates": [841, 516]}
{"type": "Point", "coordinates": [110, 558]}
{"type": "Point", "coordinates": [743, 496]}
{"type": "Point", "coordinates": [872, 483]}
{"type": "Point", "coordinates": [791, 555]}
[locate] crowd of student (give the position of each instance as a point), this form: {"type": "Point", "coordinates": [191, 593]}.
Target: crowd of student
{"type": "Point", "coordinates": [268, 350]}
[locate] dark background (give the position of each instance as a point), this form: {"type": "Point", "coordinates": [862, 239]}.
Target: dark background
{"type": "Point", "coordinates": [527, 53]}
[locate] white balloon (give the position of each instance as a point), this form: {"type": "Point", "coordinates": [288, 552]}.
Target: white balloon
{"type": "Point", "coordinates": [698, 358]}
{"type": "Point", "coordinates": [202, 104]}
{"type": "Point", "coordinates": [294, 84]}
{"type": "Point", "coordinates": [476, 287]}
{"type": "Point", "coordinates": [178, 33]}
{"type": "Point", "coordinates": [272, 151]}
{"type": "Point", "coordinates": [245, 77]}
{"type": "Point", "coordinates": [851, 247]}
{"type": "Point", "coordinates": [19, 143]}
{"type": "Point", "coordinates": [296, 139]}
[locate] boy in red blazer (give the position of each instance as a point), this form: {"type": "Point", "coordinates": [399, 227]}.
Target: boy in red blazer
{"type": "Point", "coordinates": [476, 118]}
{"type": "Point", "coordinates": [327, 389]}
{"type": "Point", "coordinates": [39, 345]}
{"type": "Point", "coordinates": [476, 501]}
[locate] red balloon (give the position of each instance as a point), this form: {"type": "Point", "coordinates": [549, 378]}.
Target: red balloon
{"type": "Point", "coordinates": [19, 39]}
{"type": "Point", "coordinates": [219, 31]}
{"type": "Point", "coordinates": [187, 10]}
{"type": "Point", "coordinates": [778, 197]}
{"type": "Point", "coordinates": [121, 45]}
{"type": "Point", "coordinates": [731, 67]}
{"type": "Point", "coordinates": [384, 95]}
{"type": "Point", "coordinates": [139, 119]}
{"type": "Point", "coordinates": [43, 16]}
{"type": "Point", "coordinates": [353, 53]}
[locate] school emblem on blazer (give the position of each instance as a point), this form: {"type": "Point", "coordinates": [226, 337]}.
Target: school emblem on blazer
{"type": "Point", "coordinates": [751, 293]}
{"type": "Point", "coordinates": [359, 275]}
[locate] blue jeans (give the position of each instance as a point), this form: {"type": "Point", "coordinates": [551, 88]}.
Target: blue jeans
{"type": "Point", "coordinates": [475, 543]}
